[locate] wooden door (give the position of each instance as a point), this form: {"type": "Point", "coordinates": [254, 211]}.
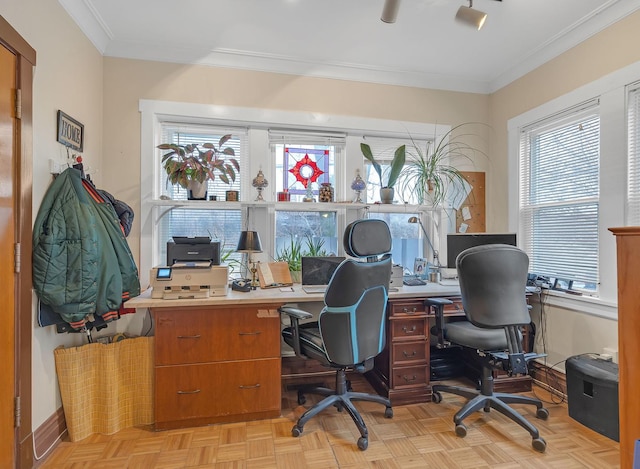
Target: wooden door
{"type": "Point", "coordinates": [8, 74]}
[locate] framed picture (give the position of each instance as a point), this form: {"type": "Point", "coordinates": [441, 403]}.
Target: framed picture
{"type": "Point", "coordinates": [70, 132]}
{"type": "Point", "coordinates": [420, 267]}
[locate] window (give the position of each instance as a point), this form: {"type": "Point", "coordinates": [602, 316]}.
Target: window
{"type": "Point", "coordinates": [633, 136]}
{"type": "Point", "coordinates": [305, 160]}
{"type": "Point", "coordinates": [222, 225]}
{"type": "Point", "coordinates": [559, 196]}
{"type": "Point", "coordinates": [263, 141]}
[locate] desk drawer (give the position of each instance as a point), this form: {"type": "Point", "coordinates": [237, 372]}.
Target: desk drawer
{"type": "Point", "coordinates": [409, 352]}
{"type": "Point", "coordinates": [409, 329]}
{"type": "Point", "coordinates": [406, 308]}
{"type": "Point", "coordinates": [214, 389]}
{"type": "Point", "coordinates": [410, 376]}
{"type": "Point", "coordinates": [207, 335]}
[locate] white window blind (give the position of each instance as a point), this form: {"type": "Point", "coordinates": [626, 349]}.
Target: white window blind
{"type": "Point", "coordinates": [633, 155]}
{"type": "Point", "coordinates": [223, 225]}
{"type": "Point", "coordinates": [559, 195]}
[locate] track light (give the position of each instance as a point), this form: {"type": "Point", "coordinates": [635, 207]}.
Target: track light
{"type": "Point", "coordinates": [470, 16]}
{"type": "Point", "coordinates": [390, 11]}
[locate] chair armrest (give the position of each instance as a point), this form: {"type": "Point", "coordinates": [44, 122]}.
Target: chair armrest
{"type": "Point", "coordinates": [295, 312]}
{"type": "Point", "coordinates": [438, 305]}
{"type": "Point", "coordinates": [295, 315]}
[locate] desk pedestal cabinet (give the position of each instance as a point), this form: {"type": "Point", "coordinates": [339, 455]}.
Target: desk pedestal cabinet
{"type": "Point", "coordinates": [216, 364]}
{"type": "Point", "coordinates": [402, 371]}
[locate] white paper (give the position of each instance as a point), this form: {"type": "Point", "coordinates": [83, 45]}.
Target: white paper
{"type": "Point", "coordinates": [466, 213]}
{"type": "Point", "coordinates": [463, 228]}
{"type": "Point", "coordinates": [457, 193]}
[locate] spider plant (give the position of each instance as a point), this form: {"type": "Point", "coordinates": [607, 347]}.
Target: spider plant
{"type": "Point", "coordinates": [431, 170]}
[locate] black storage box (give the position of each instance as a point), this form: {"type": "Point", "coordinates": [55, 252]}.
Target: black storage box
{"type": "Point", "coordinates": [592, 393]}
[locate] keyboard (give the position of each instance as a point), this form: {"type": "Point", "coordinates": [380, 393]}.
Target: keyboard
{"type": "Point", "coordinates": [413, 281]}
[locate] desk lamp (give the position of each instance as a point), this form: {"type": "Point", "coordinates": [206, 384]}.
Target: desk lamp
{"type": "Point", "coordinates": [436, 259]}
{"type": "Point", "coordinates": [250, 242]}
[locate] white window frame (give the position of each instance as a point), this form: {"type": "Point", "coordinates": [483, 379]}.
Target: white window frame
{"type": "Point", "coordinates": [611, 91]}
{"type": "Point", "coordinates": [259, 121]}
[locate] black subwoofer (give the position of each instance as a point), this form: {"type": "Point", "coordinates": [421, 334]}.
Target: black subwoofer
{"type": "Point", "coordinates": [592, 393]}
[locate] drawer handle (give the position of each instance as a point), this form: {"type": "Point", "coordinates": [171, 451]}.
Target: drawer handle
{"type": "Point", "coordinates": [409, 311]}
{"type": "Point", "coordinates": [407, 355]}
{"type": "Point", "coordinates": [249, 387]}
{"type": "Point", "coordinates": [196, 391]}
{"type": "Point", "coordinates": [189, 336]}
{"type": "Point", "coordinates": [408, 330]}
{"type": "Point", "coordinates": [250, 333]}
{"type": "Point", "coordinates": [408, 379]}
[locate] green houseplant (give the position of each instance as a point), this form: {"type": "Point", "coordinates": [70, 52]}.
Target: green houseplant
{"type": "Point", "coordinates": [395, 168]}
{"type": "Point", "coordinates": [192, 165]}
{"type": "Point", "coordinates": [293, 252]}
{"type": "Point", "coordinates": [432, 169]}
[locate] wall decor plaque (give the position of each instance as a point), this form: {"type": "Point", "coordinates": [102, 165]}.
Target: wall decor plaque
{"type": "Point", "coordinates": [70, 132]}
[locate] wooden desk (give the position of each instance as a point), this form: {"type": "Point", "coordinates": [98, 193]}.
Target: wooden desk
{"type": "Point", "coordinates": [218, 359]}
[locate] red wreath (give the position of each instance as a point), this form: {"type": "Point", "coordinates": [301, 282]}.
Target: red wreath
{"type": "Point", "coordinates": [306, 161]}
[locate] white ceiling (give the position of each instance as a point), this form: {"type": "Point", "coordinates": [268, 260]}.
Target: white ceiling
{"type": "Point", "coordinates": [345, 39]}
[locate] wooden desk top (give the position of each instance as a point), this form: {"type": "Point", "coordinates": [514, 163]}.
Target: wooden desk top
{"type": "Point", "coordinates": [282, 295]}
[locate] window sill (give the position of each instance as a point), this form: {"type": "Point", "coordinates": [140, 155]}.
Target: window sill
{"type": "Point", "coordinates": [582, 304]}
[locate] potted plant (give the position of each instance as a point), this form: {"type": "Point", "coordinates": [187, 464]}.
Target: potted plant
{"type": "Point", "coordinates": [430, 170]}
{"type": "Point", "coordinates": [387, 191]}
{"type": "Point", "coordinates": [192, 165]}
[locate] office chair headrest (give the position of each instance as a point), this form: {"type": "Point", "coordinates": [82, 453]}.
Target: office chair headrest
{"type": "Point", "coordinates": [367, 237]}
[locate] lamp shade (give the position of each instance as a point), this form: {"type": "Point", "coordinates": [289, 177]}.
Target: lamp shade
{"type": "Point", "coordinates": [471, 17]}
{"type": "Point", "coordinates": [249, 242]}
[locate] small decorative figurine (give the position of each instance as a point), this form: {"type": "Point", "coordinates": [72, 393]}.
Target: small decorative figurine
{"type": "Point", "coordinates": [358, 185]}
{"type": "Point", "coordinates": [259, 182]}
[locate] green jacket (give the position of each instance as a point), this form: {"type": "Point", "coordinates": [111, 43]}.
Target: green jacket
{"type": "Point", "coordinates": [82, 263]}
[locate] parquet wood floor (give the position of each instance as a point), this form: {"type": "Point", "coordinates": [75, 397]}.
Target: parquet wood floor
{"type": "Point", "coordinates": [418, 436]}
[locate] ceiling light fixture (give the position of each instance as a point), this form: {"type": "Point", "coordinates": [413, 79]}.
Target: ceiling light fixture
{"type": "Point", "coordinates": [470, 16]}
{"type": "Point", "coordinates": [390, 11]}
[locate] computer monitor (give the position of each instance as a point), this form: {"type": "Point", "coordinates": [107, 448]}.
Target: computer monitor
{"type": "Point", "coordinates": [458, 242]}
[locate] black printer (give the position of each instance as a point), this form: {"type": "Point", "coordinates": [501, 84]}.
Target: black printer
{"type": "Point", "coordinates": [192, 249]}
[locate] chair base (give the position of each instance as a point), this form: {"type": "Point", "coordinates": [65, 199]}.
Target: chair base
{"type": "Point", "coordinates": [341, 398]}
{"type": "Point", "coordinates": [486, 399]}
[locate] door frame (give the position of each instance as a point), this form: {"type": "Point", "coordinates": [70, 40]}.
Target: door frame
{"type": "Point", "coordinates": [23, 188]}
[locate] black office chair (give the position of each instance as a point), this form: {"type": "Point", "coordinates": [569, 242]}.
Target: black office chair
{"type": "Point", "coordinates": [350, 330]}
{"type": "Point", "coordinates": [492, 283]}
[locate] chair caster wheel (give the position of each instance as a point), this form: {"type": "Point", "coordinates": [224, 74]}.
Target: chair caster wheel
{"type": "Point", "coordinates": [461, 430]}
{"type": "Point", "coordinates": [301, 399]}
{"type": "Point", "coordinates": [388, 412]}
{"type": "Point", "coordinates": [539, 445]}
{"type": "Point", "coordinates": [363, 443]}
{"type": "Point", "coordinates": [296, 431]}
{"type": "Point", "coordinates": [542, 413]}
{"type": "Point", "coordinates": [436, 397]}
